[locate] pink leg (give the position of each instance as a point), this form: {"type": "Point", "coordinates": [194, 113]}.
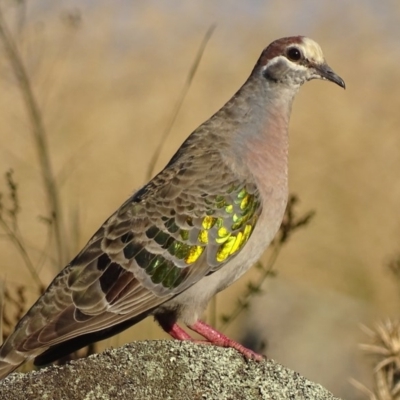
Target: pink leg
{"type": "Point", "coordinates": [219, 339]}
{"type": "Point", "coordinates": [174, 330]}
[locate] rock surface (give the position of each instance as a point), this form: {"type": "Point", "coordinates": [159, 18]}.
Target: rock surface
{"type": "Point", "coordinates": [164, 370]}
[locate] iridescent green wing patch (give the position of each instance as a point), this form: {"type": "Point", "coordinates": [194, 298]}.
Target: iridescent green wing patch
{"type": "Point", "coordinates": [227, 234]}
{"type": "Point", "coordinates": [188, 245]}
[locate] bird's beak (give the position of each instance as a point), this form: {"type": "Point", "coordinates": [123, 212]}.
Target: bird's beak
{"type": "Point", "coordinates": [326, 72]}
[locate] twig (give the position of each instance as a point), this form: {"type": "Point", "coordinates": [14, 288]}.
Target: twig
{"type": "Point", "coordinates": [9, 223]}
{"type": "Point", "coordinates": [289, 225]}
{"type": "Point", "coordinates": [178, 105]}
{"type": "Point", "coordinates": [22, 249]}
{"type": "Point", "coordinates": [252, 288]}
{"type": "Point", "coordinates": [40, 138]}
{"type": "Point", "coordinates": [384, 347]}
{"type": "Point", "coordinates": [2, 289]}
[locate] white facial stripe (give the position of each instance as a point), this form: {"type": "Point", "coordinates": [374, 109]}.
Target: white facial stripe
{"type": "Point", "coordinates": [291, 65]}
{"type": "Point", "coordinates": [312, 51]}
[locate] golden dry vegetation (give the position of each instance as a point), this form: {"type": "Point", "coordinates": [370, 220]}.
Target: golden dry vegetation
{"type": "Point", "coordinates": [107, 77]}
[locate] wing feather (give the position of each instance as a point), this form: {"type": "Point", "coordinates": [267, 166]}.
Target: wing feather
{"type": "Point", "coordinates": [186, 223]}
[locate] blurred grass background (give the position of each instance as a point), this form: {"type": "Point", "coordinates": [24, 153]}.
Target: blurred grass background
{"type": "Point", "coordinates": [107, 77]}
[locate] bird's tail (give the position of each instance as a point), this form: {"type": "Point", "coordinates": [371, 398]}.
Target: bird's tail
{"type": "Point", "coordinates": [6, 368]}
{"type": "Point", "coordinates": [10, 359]}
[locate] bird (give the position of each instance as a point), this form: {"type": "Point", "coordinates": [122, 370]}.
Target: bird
{"type": "Point", "coordinates": [190, 232]}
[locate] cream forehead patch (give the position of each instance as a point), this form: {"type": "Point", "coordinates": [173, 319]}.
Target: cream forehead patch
{"type": "Point", "coordinates": [312, 50]}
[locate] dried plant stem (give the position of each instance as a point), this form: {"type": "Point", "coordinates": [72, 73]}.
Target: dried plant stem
{"type": "Point", "coordinates": [2, 290]}
{"type": "Point", "coordinates": [22, 249]}
{"type": "Point", "coordinates": [40, 138]}
{"type": "Point", "coordinates": [384, 347]}
{"type": "Point", "coordinates": [267, 271]}
{"type": "Point", "coordinates": [178, 105]}
{"type": "Point", "coordinates": [291, 223]}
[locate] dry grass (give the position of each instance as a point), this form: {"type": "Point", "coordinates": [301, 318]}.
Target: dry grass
{"type": "Point", "coordinates": [384, 350]}
{"type": "Point", "coordinates": [106, 84]}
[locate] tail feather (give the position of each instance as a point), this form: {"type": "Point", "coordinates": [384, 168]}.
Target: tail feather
{"type": "Point", "coordinates": [62, 349]}
{"type": "Point", "coordinates": [11, 359]}
{"type": "Point", "coordinates": [6, 367]}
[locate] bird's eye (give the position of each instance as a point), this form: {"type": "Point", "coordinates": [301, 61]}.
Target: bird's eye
{"type": "Point", "coordinates": [294, 54]}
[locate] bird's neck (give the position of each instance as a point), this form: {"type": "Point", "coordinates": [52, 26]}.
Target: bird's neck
{"type": "Point", "coordinates": [259, 135]}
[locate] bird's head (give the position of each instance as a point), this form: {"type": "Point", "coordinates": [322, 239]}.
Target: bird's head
{"type": "Point", "coordinates": [294, 61]}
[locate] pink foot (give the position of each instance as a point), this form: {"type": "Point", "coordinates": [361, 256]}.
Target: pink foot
{"type": "Point", "coordinates": [209, 333]}
{"type": "Point", "coordinates": [219, 339]}
{"type": "Point", "coordinates": [174, 330]}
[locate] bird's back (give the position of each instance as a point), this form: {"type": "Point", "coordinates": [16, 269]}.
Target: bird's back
{"type": "Point", "coordinates": [186, 223]}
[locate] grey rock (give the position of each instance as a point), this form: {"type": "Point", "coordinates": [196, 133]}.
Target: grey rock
{"type": "Point", "coordinates": [166, 370]}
